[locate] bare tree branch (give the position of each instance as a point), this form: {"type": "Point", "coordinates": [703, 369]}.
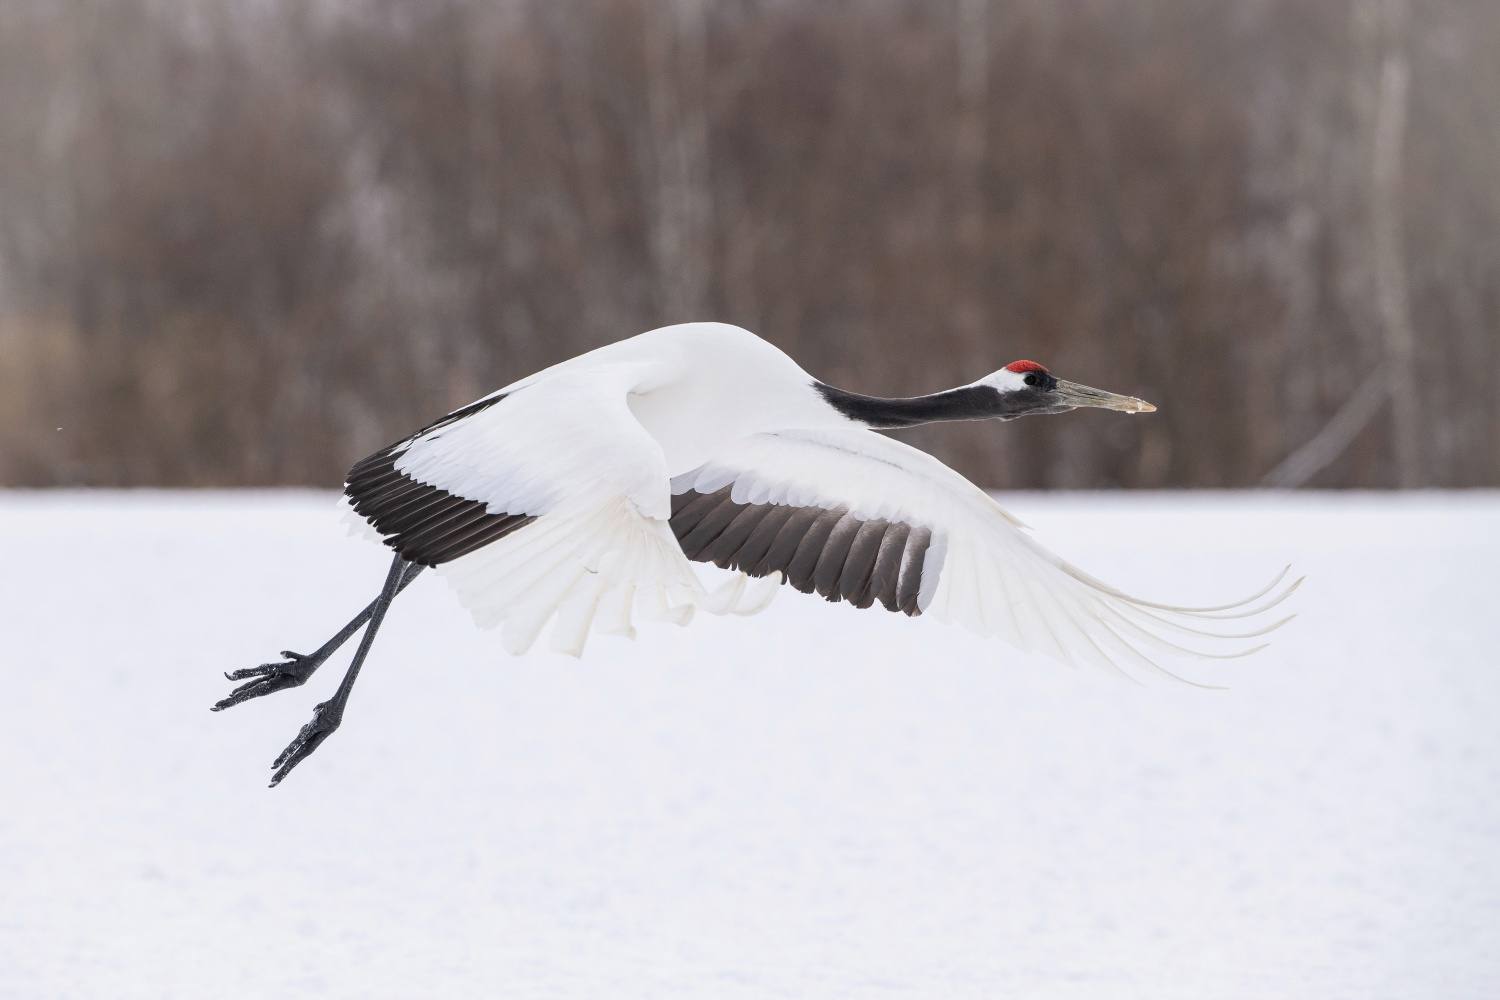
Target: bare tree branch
{"type": "Point", "coordinates": [1389, 248]}
{"type": "Point", "coordinates": [1329, 443]}
{"type": "Point", "coordinates": [676, 58]}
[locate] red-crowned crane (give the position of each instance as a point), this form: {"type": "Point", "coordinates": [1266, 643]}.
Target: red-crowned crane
{"type": "Point", "coordinates": [582, 494]}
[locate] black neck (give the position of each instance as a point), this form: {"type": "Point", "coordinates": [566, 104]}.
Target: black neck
{"type": "Point", "coordinates": [971, 402]}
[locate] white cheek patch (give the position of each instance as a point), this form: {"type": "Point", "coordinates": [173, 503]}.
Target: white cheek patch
{"type": "Point", "coordinates": [1005, 380]}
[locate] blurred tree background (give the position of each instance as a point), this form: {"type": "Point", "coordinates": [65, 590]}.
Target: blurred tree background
{"type": "Point", "coordinates": [250, 242]}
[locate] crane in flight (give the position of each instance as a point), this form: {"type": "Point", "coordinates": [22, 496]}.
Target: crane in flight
{"type": "Point", "coordinates": [582, 495]}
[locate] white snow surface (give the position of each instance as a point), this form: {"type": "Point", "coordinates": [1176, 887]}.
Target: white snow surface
{"type": "Point", "coordinates": [815, 802]}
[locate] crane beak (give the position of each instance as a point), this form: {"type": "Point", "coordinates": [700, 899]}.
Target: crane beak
{"type": "Point", "coordinates": [1074, 394]}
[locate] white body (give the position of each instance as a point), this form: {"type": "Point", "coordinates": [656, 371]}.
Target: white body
{"type": "Point", "coordinates": [696, 387]}
{"type": "Point", "coordinates": [595, 447]}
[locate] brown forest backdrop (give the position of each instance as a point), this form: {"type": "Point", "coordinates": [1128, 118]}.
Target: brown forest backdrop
{"type": "Point", "coordinates": [249, 242]}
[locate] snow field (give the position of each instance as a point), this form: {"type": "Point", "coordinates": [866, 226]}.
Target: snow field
{"type": "Point", "coordinates": [816, 802]}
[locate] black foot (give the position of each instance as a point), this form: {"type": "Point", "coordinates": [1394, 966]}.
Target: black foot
{"type": "Point", "coordinates": [270, 677]}
{"type": "Point", "coordinates": [308, 739]}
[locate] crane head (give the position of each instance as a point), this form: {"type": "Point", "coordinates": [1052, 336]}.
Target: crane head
{"type": "Point", "coordinates": [1026, 388]}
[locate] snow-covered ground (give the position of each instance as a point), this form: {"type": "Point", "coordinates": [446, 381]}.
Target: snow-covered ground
{"type": "Point", "coordinates": [818, 802]}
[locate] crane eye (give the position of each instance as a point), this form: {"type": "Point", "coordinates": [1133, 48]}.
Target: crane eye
{"type": "Point", "coordinates": [1031, 379]}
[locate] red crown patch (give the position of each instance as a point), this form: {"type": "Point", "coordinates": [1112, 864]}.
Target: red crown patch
{"type": "Point", "coordinates": [1024, 366]}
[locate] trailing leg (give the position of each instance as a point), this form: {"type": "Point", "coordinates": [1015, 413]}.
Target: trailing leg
{"type": "Point", "coordinates": [328, 715]}
{"type": "Point", "coordinates": [298, 667]}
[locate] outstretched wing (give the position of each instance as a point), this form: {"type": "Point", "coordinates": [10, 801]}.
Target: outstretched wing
{"type": "Point", "coordinates": [856, 516]}
{"type": "Point", "coordinates": [546, 502]}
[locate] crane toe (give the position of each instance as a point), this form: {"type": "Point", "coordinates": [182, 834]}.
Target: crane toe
{"type": "Point", "coordinates": [326, 719]}
{"type": "Point", "coordinates": [269, 678]}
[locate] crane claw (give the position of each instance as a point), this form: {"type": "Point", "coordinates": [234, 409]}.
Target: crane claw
{"type": "Point", "coordinates": [271, 677]}
{"type": "Point", "coordinates": [326, 718]}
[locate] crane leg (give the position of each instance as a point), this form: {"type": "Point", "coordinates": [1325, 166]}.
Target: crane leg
{"type": "Point", "coordinates": [298, 667]}
{"type": "Point", "coordinates": [328, 714]}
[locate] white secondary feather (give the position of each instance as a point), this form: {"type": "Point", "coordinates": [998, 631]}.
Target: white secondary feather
{"type": "Point", "coordinates": [981, 571]}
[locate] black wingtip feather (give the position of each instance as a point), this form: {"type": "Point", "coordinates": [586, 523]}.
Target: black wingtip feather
{"type": "Point", "coordinates": [860, 563]}
{"type": "Point", "coordinates": [799, 571]}
{"type": "Point", "coordinates": [829, 551]}
{"type": "Point", "coordinates": [425, 524]}
{"type": "Point", "coordinates": [707, 530]}
{"type": "Point", "coordinates": [911, 570]}
{"type": "Point", "coordinates": [830, 565]}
